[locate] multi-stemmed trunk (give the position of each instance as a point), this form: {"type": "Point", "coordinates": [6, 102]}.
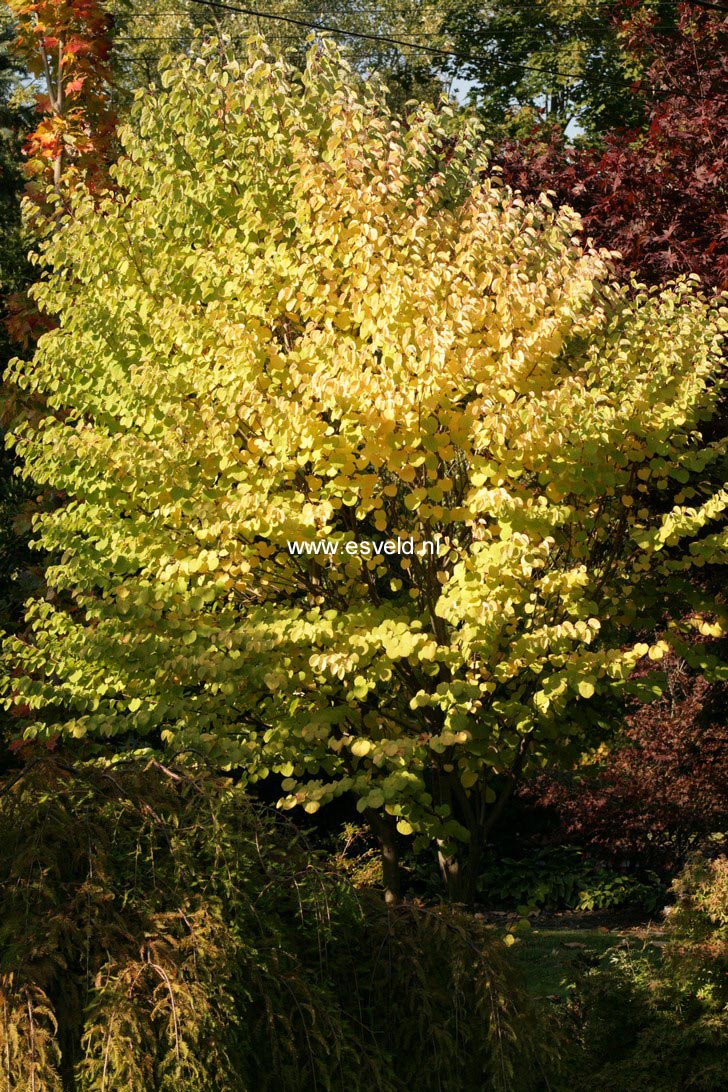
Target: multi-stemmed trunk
{"type": "Point", "coordinates": [478, 812]}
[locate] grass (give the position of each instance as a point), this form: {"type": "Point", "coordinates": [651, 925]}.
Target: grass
{"type": "Point", "coordinates": [551, 959]}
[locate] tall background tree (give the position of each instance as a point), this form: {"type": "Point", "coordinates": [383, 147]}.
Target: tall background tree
{"type": "Point", "coordinates": [552, 62]}
{"type": "Point", "coordinates": [563, 60]}
{"type": "Point", "coordinates": [372, 36]}
{"type": "Point", "coordinates": [65, 46]}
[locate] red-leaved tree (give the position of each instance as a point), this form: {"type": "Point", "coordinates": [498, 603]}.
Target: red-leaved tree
{"type": "Point", "coordinates": [663, 789]}
{"type": "Point", "coordinates": [658, 195]}
{"type": "Point", "coordinates": [65, 45]}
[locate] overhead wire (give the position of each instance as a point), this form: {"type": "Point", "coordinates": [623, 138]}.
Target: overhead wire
{"type": "Point", "coordinates": [385, 39]}
{"type": "Point", "coordinates": [437, 51]}
{"type": "Point", "coordinates": [708, 4]}
{"type": "Point", "coordinates": [493, 33]}
{"type": "Point", "coordinates": [187, 38]}
{"type": "Point", "coordinates": [483, 58]}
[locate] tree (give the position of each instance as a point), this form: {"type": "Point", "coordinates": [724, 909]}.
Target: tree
{"type": "Point", "coordinates": [656, 193]}
{"type": "Point", "coordinates": [373, 479]}
{"type": "Point", "coordinates": [563, 62]}
{"type": "Point", "coordinates": [657, 794]}
{"type": "Point", "coordinates": [65, 44]}
{"type": "Point", "coordinates": [562, 59]}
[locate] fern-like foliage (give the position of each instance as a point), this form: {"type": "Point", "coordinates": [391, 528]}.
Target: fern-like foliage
{"type": "Point", "coordinates": [162, 934]}
{"type": "Point", "coordinates": [28, 1037]}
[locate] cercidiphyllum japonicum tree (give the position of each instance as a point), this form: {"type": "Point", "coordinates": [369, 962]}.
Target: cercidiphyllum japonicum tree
{"type": "Point", "coordinates": [297, 320]}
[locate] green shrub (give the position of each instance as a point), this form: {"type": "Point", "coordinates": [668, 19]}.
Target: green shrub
{"type": "Point", "coordinates": [160, 933]}
{"type": "Point", "coordinates": [698, 952]}
{"type": "Point", "coordinates": [661, 1024]}
{"type": "Point", "coordinates": [563, 878]}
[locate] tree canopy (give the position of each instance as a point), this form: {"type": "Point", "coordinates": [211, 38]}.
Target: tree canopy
{"type": "Point", "coordinates": [297, 320]}
{"type": "Point", "coordinates": [565, 62]}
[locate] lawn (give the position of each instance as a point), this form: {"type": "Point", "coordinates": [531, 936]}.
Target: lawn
{"type": "Point", "coordinates": [551, 957]}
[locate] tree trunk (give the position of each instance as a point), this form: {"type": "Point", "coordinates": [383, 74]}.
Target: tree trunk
{"type": "Point", "coordinates": [385, 830]}
{"type": "Point", "coordinates": [451, 872]}
{"type": "Point", "coordinates": [459, 870]}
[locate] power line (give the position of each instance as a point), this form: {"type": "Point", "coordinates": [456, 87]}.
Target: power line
{"type": "Point", "coordinates": [381, 38]}
{"type": "Point", "coordinates": [323, 11]}
{"type": "Point", "coordinates": [185, 39]}
{"type": "Point", "coordinates": [708, 4]}
{"type": "Point", "coordinates": [434, 50]}
{"type": "Point", "coordinates": [493, 33]}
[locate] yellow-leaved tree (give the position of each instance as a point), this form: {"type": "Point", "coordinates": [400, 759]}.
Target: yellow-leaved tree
{"type": "Point", "coordinates": [373, 480]}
